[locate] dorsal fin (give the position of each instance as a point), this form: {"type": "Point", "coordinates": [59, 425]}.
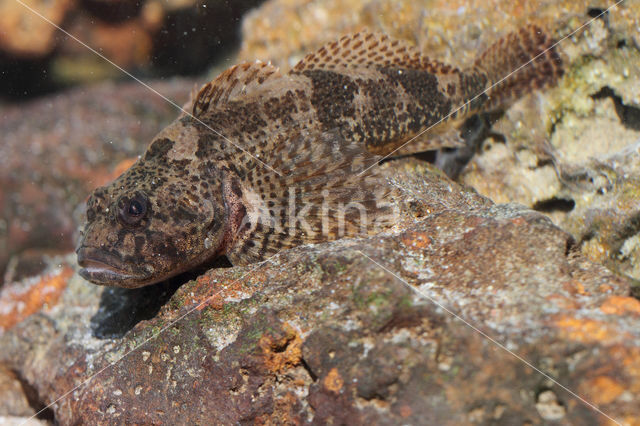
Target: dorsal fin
{"type": "Point", "coordinates": [369, 50]}
{"type": "Point", "coordinates": [235, 81]}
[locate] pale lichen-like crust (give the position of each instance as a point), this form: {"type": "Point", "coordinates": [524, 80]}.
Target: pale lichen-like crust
{"type": "Point", "coordinates": [271, 160]}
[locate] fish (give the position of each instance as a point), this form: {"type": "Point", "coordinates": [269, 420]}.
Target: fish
{"type": "Point", "coordinates": [266, 160]}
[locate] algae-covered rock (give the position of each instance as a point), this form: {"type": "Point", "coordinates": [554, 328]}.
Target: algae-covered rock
{"type": "Point", "coordinates": [357, 331]}
{"type": "Point", "coordinates": [572, 151]}
{"type": "Point", "coordinates": [283, 31]}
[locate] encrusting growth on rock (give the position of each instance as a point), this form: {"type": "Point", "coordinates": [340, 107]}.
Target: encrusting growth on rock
{"type": "Point", "coordinates": [269, 161]}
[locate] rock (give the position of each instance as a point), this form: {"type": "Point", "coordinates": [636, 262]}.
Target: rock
{"type": "Point", "coordinates": [283, 31]}
{"type": "Point", "coordinates": [578, 164]}
{"type": "Point", "coordinates": [358, 331]}
{"type": "Point", "coordinates": [21, 421]}
{"type": "Point", "coordinates": [164, 38]}
{"type": "Point", "coordinates": [127, 42]}
{"type": "Point", "coordinates": [14, 402]}
{"type": "Point", "coordinates": [548, 406]}
{"type": "Point", "coordinates": [24, 33]}
{"type": "Point", "coordinates": [56, 150]}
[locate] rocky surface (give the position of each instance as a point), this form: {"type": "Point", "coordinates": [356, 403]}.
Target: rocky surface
{"type": "Point", "coordinates": [24, 33]}
{"type": "Point", "coordinates": [427, 324]}
{"type": "Point", "coordinates": [454, 31]}
{"type": "Point", "coordinates": [579, 163]}
{"type": "Point", "coordinates": [351, 331]}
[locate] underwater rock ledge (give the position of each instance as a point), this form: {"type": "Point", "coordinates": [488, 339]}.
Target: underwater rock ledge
{"type": "Point", "coordinates": [324, 334]}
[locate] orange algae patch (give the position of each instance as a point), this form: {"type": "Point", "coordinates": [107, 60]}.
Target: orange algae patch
{"type": "Point", "coordinates": [333, 382]}
{"type": "Point", "coordinates": [416, 240]}
{"type": "Point", "coordinates": [630, 421]}
{"type": "Point", "coordinates": [603, 389]}
{"type": "Point", "coordinates": [277, 359]}
{"type": "Point", "coordinates": [519, 221]}
{"type": "Point", "coordinates": [621, 305]}
{"type": "Point", "coordinates": [584, 330]}
{"type": "Point", "coordinates": [215, 289]}
{"type": "Point", "coordinates": [575, 287]}
{"type": "Point", "coordinates": [629, 359]}
{"type": "Point", "coordinates": [17, 303]}
{"type": "Point", "coordinates": [214, 294]}
{"type": "Point", "coordinates": [405, 411]}
{"type": "Point", "coordinates": [563, 302]}
{"type": "Point", "coordinates": [605, 288]}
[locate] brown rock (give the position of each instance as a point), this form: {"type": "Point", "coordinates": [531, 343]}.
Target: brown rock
{"type": "Point", "coordinates": [128, 43]}
{"type": "Point", "coordinates": [13, 401]}
{"type": "Point", "coordinates": [24, 33]}
{"type": "Point", "coordinates": [356, 331]}
{"type": "Point", "coordinates": [283, 31]}
{"type": "Point", "coordinates": [579, 163]}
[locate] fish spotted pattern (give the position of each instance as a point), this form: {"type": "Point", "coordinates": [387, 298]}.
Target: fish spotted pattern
{"type": "Point", "coordinates": [309, 138]}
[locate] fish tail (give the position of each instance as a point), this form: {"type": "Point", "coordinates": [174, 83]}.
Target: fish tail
{"type": "Point", "coordinates": [518, 63]}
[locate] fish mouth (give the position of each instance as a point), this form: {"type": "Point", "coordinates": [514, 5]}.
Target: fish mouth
{"type": "Point", "coordinates": [104, 268]}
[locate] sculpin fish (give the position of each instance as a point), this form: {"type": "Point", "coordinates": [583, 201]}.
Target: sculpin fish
{"type": "Point", "coordinates": [269, 160]}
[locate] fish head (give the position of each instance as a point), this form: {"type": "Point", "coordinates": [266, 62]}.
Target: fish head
{"type": "Point", "coordinates": [155, 221]}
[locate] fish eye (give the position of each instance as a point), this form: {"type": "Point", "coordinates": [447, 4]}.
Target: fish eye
{"type": "Point", "coordinates": [135, 208]}
{"type": "Point", "coordinates": [132, 209]}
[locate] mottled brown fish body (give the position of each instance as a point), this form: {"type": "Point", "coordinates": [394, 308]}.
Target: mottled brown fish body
{"type": "Point", "coordinates": [269, 161]}
{"type": "Point", "coordinates": [382, 92]}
